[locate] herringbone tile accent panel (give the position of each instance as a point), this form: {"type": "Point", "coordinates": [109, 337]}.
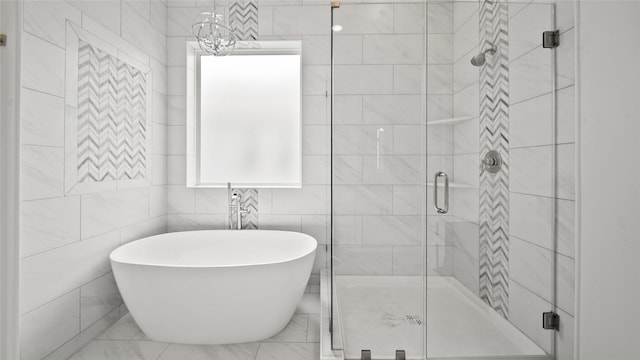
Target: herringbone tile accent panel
{"type": "Point", "coordinates": [494, 135]}
{"type": "Point", "coordinates": [250, 203]}
{"type": "Point", "coordinates": [112, 103]}
{"type": "Point", "coordinates": [243, 17]}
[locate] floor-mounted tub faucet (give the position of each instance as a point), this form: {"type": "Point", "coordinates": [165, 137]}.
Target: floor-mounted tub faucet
{"type": "Point", "coordinates": [235, 207]}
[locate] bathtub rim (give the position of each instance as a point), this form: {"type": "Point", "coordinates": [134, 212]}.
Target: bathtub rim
{"type": "Point", "coordinates": [114, 254]}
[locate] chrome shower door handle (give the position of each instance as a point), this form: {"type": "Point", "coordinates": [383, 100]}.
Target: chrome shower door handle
{"type": "Point", "coordinates": [445, 209]}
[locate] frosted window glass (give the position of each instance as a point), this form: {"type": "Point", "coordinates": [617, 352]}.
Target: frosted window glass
{"type": "Point", "coordinates": [250, 120]}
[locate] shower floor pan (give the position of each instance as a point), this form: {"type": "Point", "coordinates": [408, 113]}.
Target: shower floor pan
{"type": "Point", "coordinates": [385, 313]}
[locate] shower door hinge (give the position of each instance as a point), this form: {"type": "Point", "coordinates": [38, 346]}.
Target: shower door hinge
{"type": "Point", "coordinates": [365, 355]}
{"type": "Point", "coordinates": [3, 40]}
{"type": "Point", "coordinates": [551, 39]}
{"type": "Point", "coordinates": [550, 321]}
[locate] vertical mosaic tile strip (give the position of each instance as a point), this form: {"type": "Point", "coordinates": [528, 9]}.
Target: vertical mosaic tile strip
{"type": "Point", "coordinates": [111, 117]}
{"type": "Point", "coordinates": [494, 135]}
{"type": "Point", "coordinates": [243, 16]}
{"type": "Point", "coordinates": [250, 204]}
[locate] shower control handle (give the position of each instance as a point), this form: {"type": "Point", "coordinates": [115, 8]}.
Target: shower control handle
{"type": "Point", "coordinates": [444, 209]}
{"type": "Point", "coordinates": [492, 162]}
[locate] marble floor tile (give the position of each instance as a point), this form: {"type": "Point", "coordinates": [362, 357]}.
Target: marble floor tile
{"type": "Point", "coordinates": [313, 328]}
{"type": "Point", "coordinates": [212, 352]}
{"type": "Point", "coordinates": [298, 341]}
{"type": "Point", "coordinates": [288, 351]}
{"type": "Point", "coordinates": [120, 350]}
{"type": "Point", "coordinates": [124, 329]}
{"type": "Point", "coordinates": [296, 331]}
{"type": "Point", "coordinates": [310, 303]}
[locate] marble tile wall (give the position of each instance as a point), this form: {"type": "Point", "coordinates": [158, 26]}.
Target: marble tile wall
{"type": "Point", "coordinates": [440, 140]}
{"type": "Point", "coordinates": [535, 247]}
{"type": "Point", "coordinates": [68, 294]}
{"type": "Point", "coordinates": [380, 137]}
{"type": "Point", "coordinates": [466, 95]}
{"type": "Point", "coordinates": [494, 136]}
{"type": "Point", "coordinates": [304, 210]}
{"type": "Point", "coordinates": [541, 242]}
{"type": "Point", "coordinates": [375, 88]}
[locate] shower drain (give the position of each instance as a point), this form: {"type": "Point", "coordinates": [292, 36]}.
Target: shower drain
{"type": "Point", "coordinates": [413, 319]}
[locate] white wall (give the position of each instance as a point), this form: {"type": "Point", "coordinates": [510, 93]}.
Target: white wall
{"type": "Point", "coordinates": [534, 249]}
{"type": "Point", "coordinates": [609, 192]}
{"type": "Point", "coordinates": [68, 294]}
{"type": "Point", "coordinates": [9, 180]}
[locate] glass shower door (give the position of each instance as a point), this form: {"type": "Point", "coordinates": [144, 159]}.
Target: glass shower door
{"type": "Point", "coordinates": [379, 179]}
{"type": "Point", "coordinates": [491, 254]}
{"type": "Point", "coordinates": [444, 181]}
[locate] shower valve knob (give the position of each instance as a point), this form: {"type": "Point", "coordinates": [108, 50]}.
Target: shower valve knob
{"type": "Point", "coordinates": [492, 162]}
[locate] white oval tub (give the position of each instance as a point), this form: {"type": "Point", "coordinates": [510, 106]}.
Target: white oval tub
{"type": "Point", "coordinates": [214, 286]}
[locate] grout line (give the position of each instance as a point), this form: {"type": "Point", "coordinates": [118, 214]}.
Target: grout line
{"type": "Point", "coordinates": [257, 350]}
{"type": "Point", "coordinates": [163, 351]}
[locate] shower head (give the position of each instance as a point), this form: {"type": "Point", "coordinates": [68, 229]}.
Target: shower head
{"type": "Point", "coordinates": [481, 58]}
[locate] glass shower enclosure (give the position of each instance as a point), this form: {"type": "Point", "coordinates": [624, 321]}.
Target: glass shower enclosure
{"type": "Point", "coordinates": [442, 151]}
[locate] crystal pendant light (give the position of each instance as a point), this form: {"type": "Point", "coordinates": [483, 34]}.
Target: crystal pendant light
{"type": "Point", "coordinates": [214, 36]}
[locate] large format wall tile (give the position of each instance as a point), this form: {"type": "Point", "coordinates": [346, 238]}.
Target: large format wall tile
{"type": "Point", "coordinates": [42, 66]}
{"type": "Point", "coordinates": [462, 11]}
{"type": "Point", "coordinates": [366, 19]}
{"type": "Point", "coordinates": [467, 37]}
{"type": "Point", "coordinates": [530, 75]}
{"type": "Point", "coordinates": [525, 309]}
{"type": "Point", "coordinates": [97, 299]}
{"type": "Point", "coordinates": [46, 19]}
{"type": "Point", "coordinates": [532, 170]}
{"type": "Point", "coordinates": [531, 219]}
{"type": "Point", "coordinates": [392, 109]}
{"type": "Point", "coordinates": [139, 32]}
{"type": "Point", "coordinates": [50, 274]}
{"type": "Point", "coordinates": [309, 200]}
{"type": "Point", "coordinates": [439, 17]}
{"type": "Point", "coordinates": [525, 28]}
{"type": "Point", "coordinates": [393, 169]}
{"type": "Point", "coordinates": [439, 49]}
{"type": "Point", "coordinates": [410, 18]}
{"type": "Point", "coordinates": [301, 20]}
{"type": "Point", "coordinates": [42, 172]}
{"type": "Point", "coordinates": [391, 230]}
{"type": "Point", "coordinates": [363, 199]}
{"type": "Point", "coordinates": [392, 49]}
{"type": "Point", "coordinates": [66, 240]}
{"type": "Point", "coordinates": [363, 79]}
{"type": "Point", "coordinates": [42, 119]}
{"type": "Point", "coordinates": [363, 260]}
{"type": "Point", "coordinates": [103, 212]}
{"type": "Point", "coordinates": [48, 224]}
{"type": "Point", "coordinates": [532, 267]}
{"type": "Point", "coordinates": [105, 12]}
{"type": "Point", "coordinates": [408, 79]}
{"type": "Point", "coordinates": [49, 326]}
{"type": "Point", "coordinates": [465, 270]}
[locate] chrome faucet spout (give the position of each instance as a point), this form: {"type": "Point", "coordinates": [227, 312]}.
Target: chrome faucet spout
{"type": "Point", "coordinates": [235, 206]}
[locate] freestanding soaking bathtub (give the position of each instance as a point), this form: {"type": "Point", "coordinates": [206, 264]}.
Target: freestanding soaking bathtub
{"type": "Point", "coordinates": [214, 286]}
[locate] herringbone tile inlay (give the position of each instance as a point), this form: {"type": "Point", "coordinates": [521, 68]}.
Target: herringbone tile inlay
{"type": "Point", "coordinates": [494, 135]}
{"type": "Point", "coordinates": [243, 17]}
{"type": "Point", "coordinates": [112, 103]}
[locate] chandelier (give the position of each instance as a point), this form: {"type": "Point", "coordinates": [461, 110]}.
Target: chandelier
{"type": "Point", "coordinates": [215, 37]}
